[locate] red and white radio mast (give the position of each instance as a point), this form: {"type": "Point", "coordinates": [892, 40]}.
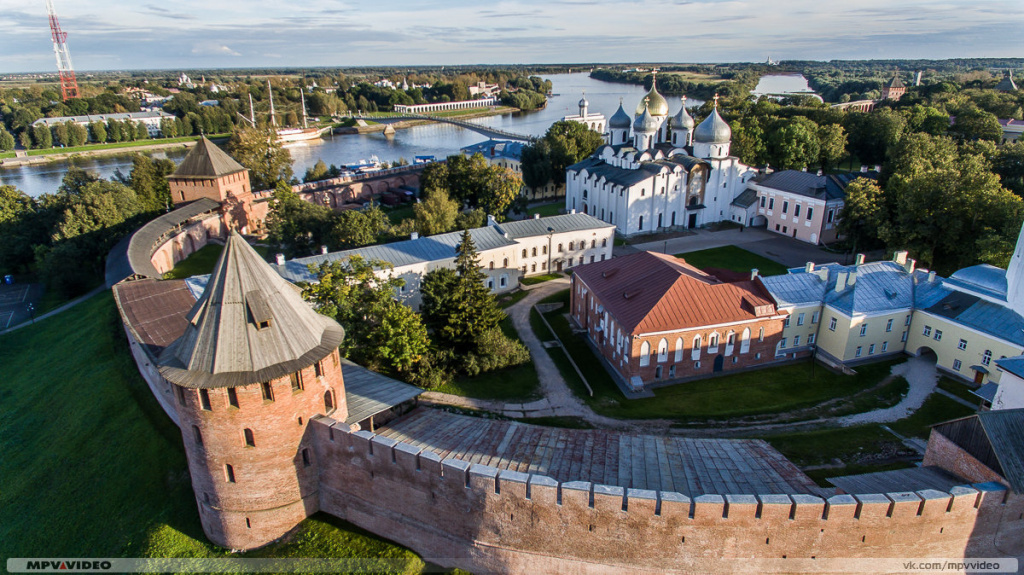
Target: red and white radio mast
{"type": "Point", "coordinates": [68, 83]}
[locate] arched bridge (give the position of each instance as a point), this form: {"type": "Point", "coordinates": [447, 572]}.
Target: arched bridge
{"type": "Point", "coordinates": [485, 130]}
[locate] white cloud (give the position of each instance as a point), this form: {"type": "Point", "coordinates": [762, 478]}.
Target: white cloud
{"type": "Point", "coordinates": [213, 49]}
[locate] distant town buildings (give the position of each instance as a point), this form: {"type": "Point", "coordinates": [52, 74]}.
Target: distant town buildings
{"type": "Point", "coordinates": [484, 90]}
{"type": "Point", "coordinates": [446, 106]}
{"type": "Point", "coordinates": [151, 119]}
{"type": "Point", "coordinates": [1012, 130]}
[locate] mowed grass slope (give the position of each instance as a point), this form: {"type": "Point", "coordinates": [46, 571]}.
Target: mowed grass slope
{"type": "Point", "coordinates": [91, 465]}
{"type": "Point", "coordinates": [732, 258]}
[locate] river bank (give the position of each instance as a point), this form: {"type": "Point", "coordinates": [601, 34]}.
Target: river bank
{"type": "Point", "coordinates": [58, 156]}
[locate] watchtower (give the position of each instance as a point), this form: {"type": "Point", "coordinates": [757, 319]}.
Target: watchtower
{"type": "Point", "coordinates": [895, 89]}
{"type": "Point", "coordinates": [208, 172]}
{"type": "Point", "coordinates": [255, 363]}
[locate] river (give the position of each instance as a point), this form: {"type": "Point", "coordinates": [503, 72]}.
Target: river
{"type": "Point", "coordinates": [433, 139]}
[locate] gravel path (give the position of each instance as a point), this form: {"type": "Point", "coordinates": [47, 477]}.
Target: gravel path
{"type": "Point", "coordinates": [922, 377]}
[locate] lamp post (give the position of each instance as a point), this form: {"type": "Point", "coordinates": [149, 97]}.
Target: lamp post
{"type": "Point", "coordinates": [32, 311]}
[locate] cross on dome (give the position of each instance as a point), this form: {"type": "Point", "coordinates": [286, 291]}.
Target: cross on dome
{"type": "Point", "coordinates": [716, 99]}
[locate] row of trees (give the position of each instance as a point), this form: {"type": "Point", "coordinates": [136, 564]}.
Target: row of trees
{"type": "Point", "coordinates": [457, 331]}
{"type": "Point", "coordinates": [65, 237]}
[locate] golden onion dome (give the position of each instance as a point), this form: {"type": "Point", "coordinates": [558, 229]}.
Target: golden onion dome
{"type": "Point", "coordinates": [653, 101]}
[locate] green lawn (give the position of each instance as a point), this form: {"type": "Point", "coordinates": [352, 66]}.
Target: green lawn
{"type": "Point", "coordinates": [93, 468]}
{"type": "Point", "coordinates": [201, 261]}
{"type": "Point", "coordinates": [399, 213]}
{"type": "Point", "coordinates": [5, 155]}
{"type": "Point", "coordinates": [508, 299]}
{"type": "Point", "coordinates": [546, 210]}
{"type": "Point", "coordinates": [119, 145]}
{"type": "Point", "coordinates": [848, 444]}
{"type": "Point", "coordinates": [936, 408]}
{"type": "Point", "coordinates": [539, 279]}
{"type": "Point", "coordinates": [959, 389]}
{"type": "Point", "coordinates": [733, 258]}
{"type": "Point", "coordinates": [756, 392]}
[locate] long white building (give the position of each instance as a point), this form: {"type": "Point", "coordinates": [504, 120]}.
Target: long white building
{"type": "Point", "coordinates": [658, 174]}
{"type": "Point", "coordinates": [507, 252]}
{"type": "Point", "coordinates": [150, 119]}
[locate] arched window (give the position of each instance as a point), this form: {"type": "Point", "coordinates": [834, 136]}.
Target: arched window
{"type": "Point", "coordinates": [524, 252]}
{"type": "Point", "coordinates": [198, 434]}
{"type": "Point", "coordinates": [695, 352]}
{"type": "Point", "coordinates": [570, 246]}
{"type": "Point", "coordinates": [492, 265]}
{"type": "Point", "coordinates": [329, 401]}
{"type": "Point", "coordinates": [730, 342]}
{"type": "Point", "coordinates": [641, 223]}
{"type": "Point", "coordinates": [504, 263]}
{"type": "Point", "coordinates": [645, 354]}
{"type": "Point", "coordinates": [713, 343]}
{"type": "Point", "coordinates": [584, 194]}
{"type": "Point", "coordinates": [663, 350]}
{"type": "Point", "coordinates": [533, 252]}
{"type": "Point", "coordinates": [745, 340]}
{"type": "Point", "coordinates": [657, 372]}
{"type": "Point", "coordinates": [760, 335]}
{"type": "Point", "coordinates": [679, 349]}
{"type": "Point", "coordinates": [250, 439]}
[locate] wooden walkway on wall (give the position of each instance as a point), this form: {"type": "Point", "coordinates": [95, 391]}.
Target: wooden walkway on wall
{"type": "Point", "coordinates": [685, 465]}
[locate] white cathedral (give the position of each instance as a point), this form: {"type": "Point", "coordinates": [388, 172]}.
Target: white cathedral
{"type": "Point", "coordinates": [658, 173]}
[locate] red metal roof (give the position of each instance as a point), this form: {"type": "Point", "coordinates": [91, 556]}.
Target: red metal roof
{"type": "Point", "coordinates": [649, 292]}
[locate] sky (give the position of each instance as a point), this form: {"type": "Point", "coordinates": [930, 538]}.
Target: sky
{"type": "Point", "coordinates": [191, 34]}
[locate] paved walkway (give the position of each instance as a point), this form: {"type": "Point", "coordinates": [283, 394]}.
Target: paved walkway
{"type": "Point", "coordinates": [922, 376]}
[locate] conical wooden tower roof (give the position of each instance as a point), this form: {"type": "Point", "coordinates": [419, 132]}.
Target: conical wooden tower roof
{"type": "Point", "coordinates": [206, 160]}
{"type": "Point", "coordinates": [249, 326]}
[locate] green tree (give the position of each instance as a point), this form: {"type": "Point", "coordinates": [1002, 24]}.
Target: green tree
{"type": "Point", "coordinates": [832, 145]}
{"type": "Point", "coordinates": [567, 143]}
{"type": "Point", "coordinates": [872, 134]}
{"type": "Point", "coordinates": [262, 154]}
{"type": "Point", "coordinates": [354, 228]}
{"type": "Point", "coordinates": [141, 131]}
{"type": "Point", "coordinates": [317, 172]}
{"type": "Point", "coordinates": [78, 135]}
{"type": "Point", "coordinates": [295, 226]}
{"type": "Point", "coordinates": [61, 137]}
{"type": "Point", "coordinates": [42, 137]}
{"type": "Point", "coordinates": [864, 213]}
{"type": "Point", "coordinates": [380, 332]}
{"type": "Point", "coordinates": [98, 132]}
{"type": "Point", "coordinates": [6, 140]}
{"type": "Point", "coordinates": [1008, 164]}
{"type": "Point", "coordinates": [793, 143]}
{"type": "Point", "coordinates": [500, 189]}
{"type": "Point", "coordinates": [748, 141]}
{"type": "Point", "coordinates": [148, 179]}
{"type": "Point", "coordinates": [974, 124]}
{"type": "Point", "coordinates": [436, 214]}
{"type": "Point", "coordinates": [460, 309]}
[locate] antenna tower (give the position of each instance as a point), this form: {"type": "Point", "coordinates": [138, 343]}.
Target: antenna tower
{"type": "Point", "coordinates": [68, 82]}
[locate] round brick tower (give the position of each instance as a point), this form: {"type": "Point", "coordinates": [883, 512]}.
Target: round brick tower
{"type": "Point", "coordinates": [254, 364]}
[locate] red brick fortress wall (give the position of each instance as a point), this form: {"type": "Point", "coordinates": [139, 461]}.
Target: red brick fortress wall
{"type": "Point", "coordinates": [489, 520]}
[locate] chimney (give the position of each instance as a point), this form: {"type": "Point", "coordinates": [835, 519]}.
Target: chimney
{"type": "Point", "coordinates": [841, 281]}
{"type": "Point", "coordinates": [323, 250]}
{"type": "Point", "coordinates": [820, 172]}
{"type": "Point", "coordinates": [859, 261]}
{"type": "Point", "coordinates": [900, 257]}
{"type": "Point", "coordinates": [878, 167]}
{"type": "Point", "coordinates": [931, 276]}
{"type": "Point", "coordinates": [809, 268]}
{"type": "Point", "coordinates": [572, 211]}
{"type": "Point", "coordinates": [754, 273]}
{"type": "Point", "coordinates": [414, 236]}
{"type": "Point", "coordinates": [491, 221]}
{"type": "Point", "coordinates": [851, 279]}
{"type": "Point", "coordinates": [803, 169]}
{"type": "Point", "coordinates": [536, 216]}
{"type": "Point", "coordinates": [863, 169]}
{"type": "Point", "coordinates": [911, 266]}
{"type": "Point", "coordinates": [279, 259]}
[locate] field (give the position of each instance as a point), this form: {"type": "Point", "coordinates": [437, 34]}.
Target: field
{"type": "Point", "coordinates": [93, 468]}
{"type": "Point", "coordinates": [733, 258]}
{"type": "Point", "coordinates": [121, 145]}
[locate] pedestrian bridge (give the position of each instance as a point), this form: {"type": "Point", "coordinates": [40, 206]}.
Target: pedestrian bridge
{"type": "Point", "coordinates": [485, 130]}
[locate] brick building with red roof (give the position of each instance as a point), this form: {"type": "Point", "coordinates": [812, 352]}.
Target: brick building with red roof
{"type": "Point", "coordinates": [656, 318]}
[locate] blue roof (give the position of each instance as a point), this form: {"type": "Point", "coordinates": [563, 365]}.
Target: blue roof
{"type": "Point", "coordinates": [829, 187]}
{"type": "Point", "coordinates": [982, 315]}
{"type": "Point", "coordinates": [983, 279]}
{"type": "Point", "coordinates": [432, 248]}
{"type": "Point", "coordinates": [795, 288]}
{"type": "Point", "coordinates": [497, 149]}
{"type": "Point", "coordinates": [557, 224]}
{"type": "Point", "coordinates": [879, 286]}
{"type": "Point", "coordinates": [1014, 365]}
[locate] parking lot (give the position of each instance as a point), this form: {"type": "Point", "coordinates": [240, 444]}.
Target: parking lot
{"type": "Point", "coordinates": [14, 302]}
